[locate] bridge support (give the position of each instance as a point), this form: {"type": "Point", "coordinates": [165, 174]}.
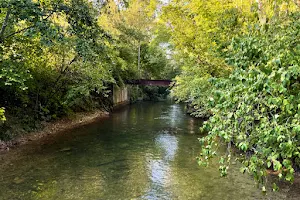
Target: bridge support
{"type": "Point", "coordinates": [120, 96]}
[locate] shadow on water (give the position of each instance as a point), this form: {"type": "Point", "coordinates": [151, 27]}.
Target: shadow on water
{"type": "Point", "coordinates": [143, 151]}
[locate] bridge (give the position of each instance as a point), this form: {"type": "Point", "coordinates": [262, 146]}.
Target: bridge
{"type": "Point", "coordinates": [150, 82]}
{"type": "Point", "coordinates": [121, 95]}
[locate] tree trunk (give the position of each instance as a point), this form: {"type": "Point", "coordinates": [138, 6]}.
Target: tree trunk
{"type": "Point", "coordinates": [276, 9]}
{"type": "Point", "coordinates": [287, 9]}
{"type": "Point", "coordinates": [261, 12]}
{"type": "Point", "coordinates": [139, 60]}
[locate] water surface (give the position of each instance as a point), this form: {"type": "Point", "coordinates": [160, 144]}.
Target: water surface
{"type": "Point", "coordinates": [143, 151]}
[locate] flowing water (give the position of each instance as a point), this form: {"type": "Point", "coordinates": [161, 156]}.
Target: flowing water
{"type": "Point", "coordinates": [143, 151]}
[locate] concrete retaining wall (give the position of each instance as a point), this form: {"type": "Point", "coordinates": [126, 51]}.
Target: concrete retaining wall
{"type": "Point", "coordinates": [120, 96]}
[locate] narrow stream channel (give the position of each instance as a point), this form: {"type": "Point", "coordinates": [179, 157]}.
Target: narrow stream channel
{"type": "Point", "coordinates": [143, 151]}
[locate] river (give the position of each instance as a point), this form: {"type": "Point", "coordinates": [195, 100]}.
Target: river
{"type": "Point", "coordinates": [143, 151]}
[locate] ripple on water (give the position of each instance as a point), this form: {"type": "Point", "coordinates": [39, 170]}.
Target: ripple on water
{"type": "Point", "coordinates": [144, 151]}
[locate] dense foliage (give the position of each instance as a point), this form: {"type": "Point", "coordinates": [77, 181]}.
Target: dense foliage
{"type": "Point", "coordinates": [241, 69]}
{"type": "Point", "coordinates": [61, 56]}
{"type": "Point", "coordinates": [257, 107]}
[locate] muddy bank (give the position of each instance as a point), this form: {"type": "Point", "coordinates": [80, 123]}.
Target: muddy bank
{"type": "Point", "coordinates": [51, 128]}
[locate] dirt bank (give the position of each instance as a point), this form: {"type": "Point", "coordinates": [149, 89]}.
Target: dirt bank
{"type": "Point", "coordinates": [50, 128]}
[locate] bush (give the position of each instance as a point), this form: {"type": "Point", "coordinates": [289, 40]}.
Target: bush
{"type": "Point", "coordinates": [257, 109]}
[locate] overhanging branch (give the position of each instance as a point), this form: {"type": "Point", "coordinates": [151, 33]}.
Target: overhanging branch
{"type": "Point", "coordinates": [4, 25]}
{"type": "Point", "coordinates": [2, 37]}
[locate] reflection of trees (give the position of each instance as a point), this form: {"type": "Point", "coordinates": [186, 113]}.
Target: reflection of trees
{"type": "Point", "coordinates": [90, 172]}
{"type": "Point", "coordinates": [79, 170]}
{"type": "Point", "coordinates": [191, 126]}
{"type": "Point", "coordinates": [190, 181]}
{"type": "Point", "coordinates": [133, 154]}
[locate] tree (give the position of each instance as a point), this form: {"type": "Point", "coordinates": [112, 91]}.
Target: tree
{"type": "Point", "coordinates": [54, 55]}
{"type": "Point", "coordinates": [240, 69]}
{"type": "Point", "coordinates": [131, 27]}
{"type": "Point", "coordinates": [61, 56]}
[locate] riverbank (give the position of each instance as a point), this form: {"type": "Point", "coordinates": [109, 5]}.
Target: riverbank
{"type": "Point", "coordinates": [54, 127]}
{"type": "Point", "coordinates": [21, 128]}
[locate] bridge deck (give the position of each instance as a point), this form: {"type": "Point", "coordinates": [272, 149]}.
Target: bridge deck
{"type": "Point", "coordinates": [149, 82]}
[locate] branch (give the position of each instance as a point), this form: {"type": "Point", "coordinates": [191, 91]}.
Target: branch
{"type": "Point", "coordinates": [64, 70]}
{"type": "Point", "coordinates": [24, 29]}
{"type": "Point", "coordinates": [19, 31]}
{"type": "Point", "coordinates": [4, 25]}
{"type": "Point", "coordinates": [55, 87]}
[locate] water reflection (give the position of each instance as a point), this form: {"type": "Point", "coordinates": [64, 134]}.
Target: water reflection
{"type": "Point", "coordinates": [174, 113]}
{"type": "Point", "coordinates": [144, 151]}
{"type": "Point", "coordinates": [191, 126]}
{"type": "Point", "coordinates": [159, 167]}
{"type": "Point", "coordinates": [168, 145]}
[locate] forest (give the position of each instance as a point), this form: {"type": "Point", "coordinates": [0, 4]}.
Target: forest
{"type": "Point", "coordinates": [60, 57]}
{"type": "Point", "coordinates": [235, 62]}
